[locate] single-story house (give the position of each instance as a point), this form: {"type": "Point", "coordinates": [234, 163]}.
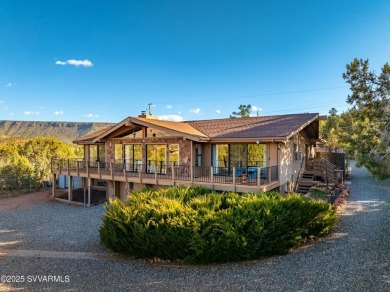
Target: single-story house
{"type": "Point", "coordinates": [233, 154]}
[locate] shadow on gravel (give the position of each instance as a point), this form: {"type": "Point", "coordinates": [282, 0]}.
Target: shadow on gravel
{"type": "Point", "coordinates": [356, 207]}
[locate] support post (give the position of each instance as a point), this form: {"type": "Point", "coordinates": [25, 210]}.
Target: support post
{"type": "Point", "coordinates": [53, 185]}
{"type": "Point", "coordinates": [125, 174]}
{"type": "Point", "coordinates": [212, 177]}
{"type": "Point", "coordinates": [87, 165]}
{"type": "Point", "coordinates": [234, 178]}
{"type": "Point", "coordinates": [173, 174]}
{"type": "Point", "coordinates": [89, 183]}
{"type": "Point", "coordinates": [70, 188]}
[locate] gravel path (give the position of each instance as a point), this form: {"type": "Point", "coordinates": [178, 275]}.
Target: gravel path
{"type": "Point", "coordinates": [61, 240]}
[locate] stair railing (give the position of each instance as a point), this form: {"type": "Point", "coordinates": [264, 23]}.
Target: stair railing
{"type": "Point", "coordinates": [327, 170]}
{"type": "Point", "coordinates": [296, 186]}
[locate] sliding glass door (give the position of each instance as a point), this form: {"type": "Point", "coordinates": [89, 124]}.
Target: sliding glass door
{"type": "Point", "coordinates": [133, 156]}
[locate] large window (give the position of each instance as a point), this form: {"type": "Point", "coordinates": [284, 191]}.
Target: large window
{"type": "Point", "coordinates": [257, 155]}
{"type": "Point", "coordinates": [118, 152]}
{"type": "Point", "coordinates": [220, 155]}
{"type": "Point", "coordinates": [97, 153]}
{"type": "Point", "coordinates": [156, 157]}
{"type": "Point", "coordinates": [239, 155]}
{"type": "Point", "coordinates": [133, 156]}
{"type": "Point", "coordinates": [173, 154]}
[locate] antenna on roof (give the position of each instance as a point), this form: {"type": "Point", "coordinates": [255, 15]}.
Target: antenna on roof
{"type": "Point", "coordinates": [150, 109]}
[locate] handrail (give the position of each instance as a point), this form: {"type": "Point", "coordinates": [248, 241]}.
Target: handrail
{"type": "Point", "coordinates": [252, 176]}
{"type": "Point", "coordinates": [298, 176]}
{"type": "Point", "coordinates": [327, 169]}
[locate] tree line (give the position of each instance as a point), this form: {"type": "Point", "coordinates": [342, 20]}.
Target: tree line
{"type": "Point", "coordinates": [26, 161]}
{"type": "Point", "coordinates": [364, 130]}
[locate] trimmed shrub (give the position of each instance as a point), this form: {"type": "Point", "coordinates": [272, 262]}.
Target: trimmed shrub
{"type": "Point", "coordinates": [198, 226]}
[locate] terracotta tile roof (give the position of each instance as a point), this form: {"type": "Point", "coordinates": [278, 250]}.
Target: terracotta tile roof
{"type": "Point", "coordinates": [181, 127]}
{"type": "Point", "coordinates": [255, 127]}
{"type": "Point", "coordinates": [91, 136]}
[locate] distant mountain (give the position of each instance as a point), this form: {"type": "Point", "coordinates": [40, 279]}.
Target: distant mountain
{"type": "Point", "coordinates": [64, 131]}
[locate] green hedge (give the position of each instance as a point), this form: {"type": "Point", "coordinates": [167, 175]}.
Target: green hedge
{"type": "Point", "coordinates": [197, 226]}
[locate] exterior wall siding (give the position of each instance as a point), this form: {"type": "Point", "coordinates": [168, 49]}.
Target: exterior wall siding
{"type": "Point", "coordinates": [289, 169]}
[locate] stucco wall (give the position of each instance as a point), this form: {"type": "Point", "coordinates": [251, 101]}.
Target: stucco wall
{"type": "Point", "coordinates": [289, 169]}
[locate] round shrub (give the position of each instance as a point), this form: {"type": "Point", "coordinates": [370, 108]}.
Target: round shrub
{"type": "Point", "coordinates": [198, 226]}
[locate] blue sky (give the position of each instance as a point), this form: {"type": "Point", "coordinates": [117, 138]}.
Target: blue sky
{"type": "Point", "coordinates": [103, 60]}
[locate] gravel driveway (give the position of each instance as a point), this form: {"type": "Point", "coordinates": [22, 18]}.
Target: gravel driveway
{"type": "Point", "coordinates": [53, 239]}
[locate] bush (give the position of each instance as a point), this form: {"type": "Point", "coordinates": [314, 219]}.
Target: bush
{"type": "Point", "coordinates": [197, 226]}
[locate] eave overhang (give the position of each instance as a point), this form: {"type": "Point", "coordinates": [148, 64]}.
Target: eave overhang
{"type": "Point", "coordinates": [303, 126]}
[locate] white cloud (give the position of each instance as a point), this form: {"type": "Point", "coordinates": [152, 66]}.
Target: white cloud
{"type": "Point", "coordinates": [174, 118]}
{"type": "Point", "coordinates": [91, 116]}
{"type": "Point", "coordinates": [11, 114]}
{"type": "Point", "coordinates": [60, 63]}
{"type": "Point", "coordinates": [179, 112]}
{"type": "Point", "coordinates": [77, 63]}
{"type": "Point", "coordinates": [1, 102]}
{"type": "Point", "coordinates": [169, 106]}
{"type": "Point", "coordinates": [195, 110]}
{"type": "Point", "coordinates": [29, 113]}
{"type": "Point", "coordinates": [58, 113]}
{"type": "Point", "coordinates": [218, 111]}
{"type": "Point", "coordinates": [9, 84]}
{"type": "Point", "coordinates": [255, 108]}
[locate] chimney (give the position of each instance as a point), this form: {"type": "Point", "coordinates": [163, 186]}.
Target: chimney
{"type": "Point", "coordinates": [147, 116]}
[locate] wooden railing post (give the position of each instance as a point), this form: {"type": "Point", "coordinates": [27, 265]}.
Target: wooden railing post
{"type": "Point", "coordinates": [173, 174]}
{"type": "Point", "coordinates": [212, 177]}
{"type": "Point", "coordinates": [155, 175]}
{"type": "Point", "coordinates": [234, 178]}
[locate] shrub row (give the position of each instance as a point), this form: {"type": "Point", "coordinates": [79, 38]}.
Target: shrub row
{"type": "Point", "coordinates": [197, 226]}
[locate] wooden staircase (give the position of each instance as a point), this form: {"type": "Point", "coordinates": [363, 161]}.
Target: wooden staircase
{"type": "Point", "coordinates": [320, 172]}
{"type": "Point", "coordinates": [306, 181]}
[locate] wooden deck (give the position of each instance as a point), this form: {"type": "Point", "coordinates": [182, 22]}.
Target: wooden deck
{"type": "Point", "coordinates": [173, 176]}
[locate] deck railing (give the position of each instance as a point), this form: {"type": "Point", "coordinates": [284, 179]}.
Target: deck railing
{"type": "Point", "coordinates": [251, 176]}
